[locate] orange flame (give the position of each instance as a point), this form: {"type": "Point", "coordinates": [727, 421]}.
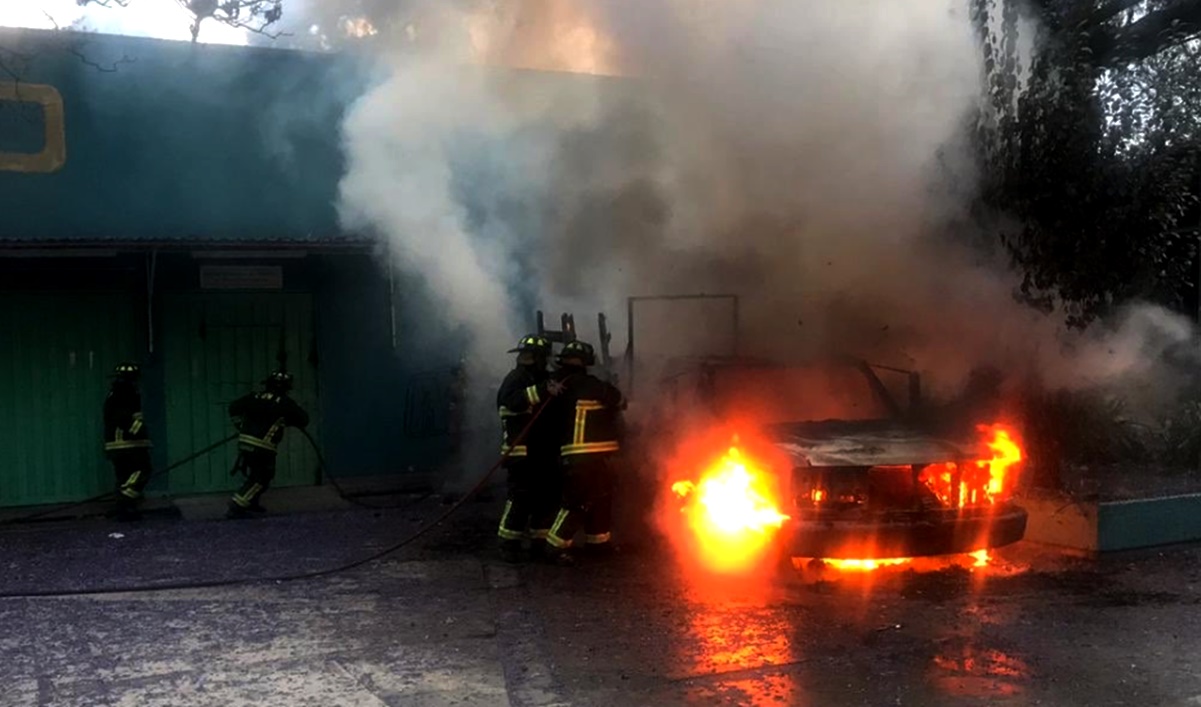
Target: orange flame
{"type": "Point", "coordinates": [974, 487]}
{"type": "Point", "coordinates": [986, 481]}
{"type": "Point", "coordinates": [979, 558]}
{"type": "Point", "coordinates": [545, 35]}
{"type": "Point", "coordinates": [865, 565]}
{"type": "Point", "coordinates": [731, 512]}
{"type": "Point", "coordinates": [1006, 453]}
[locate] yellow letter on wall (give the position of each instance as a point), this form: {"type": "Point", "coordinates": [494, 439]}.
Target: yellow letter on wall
{"type": "Point", "coordinates": [54, 151]}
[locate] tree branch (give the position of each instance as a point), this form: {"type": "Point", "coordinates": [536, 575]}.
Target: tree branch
{"type": "Point", "coordinates": [7, 56]}
{"type": "Point", "coordinates": [1048, 13]}
{"type": "Point", "coordinates": [250, 15]}
{"type": "Point", "coordinates": [1148, 36]}
{"type": "Point", "coordinates": [1109, 10]}
{"type": "Point", "coordinates": [111, 68]}
{"type": "Point", "coordinates": [260, 27]}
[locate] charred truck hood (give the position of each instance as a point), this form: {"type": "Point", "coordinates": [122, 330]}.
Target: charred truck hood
{"type": "Point", "coordinates": [839, 443]}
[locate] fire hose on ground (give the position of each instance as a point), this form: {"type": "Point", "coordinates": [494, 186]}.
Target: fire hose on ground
{"type": "Point", "coordinates": [107, 494]}
{"type": "Point", "coordinates": [322, 467]}
{"type": "Point", "coordinates": [312, 574]}
{"type": "Point", "coordinates": [333, 481]}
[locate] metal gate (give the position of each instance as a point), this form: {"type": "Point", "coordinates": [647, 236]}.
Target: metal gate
{"type": "Point", "coordinates": [58, 350]}
{"type": "Point", "coordinates": [218, 347]}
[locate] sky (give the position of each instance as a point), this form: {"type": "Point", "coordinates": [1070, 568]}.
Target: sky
{"type": "Point", "coordinates": [162, 19]}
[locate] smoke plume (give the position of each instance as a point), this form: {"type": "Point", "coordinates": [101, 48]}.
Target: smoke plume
{"type": "Point", "coordinates": [809, 157]}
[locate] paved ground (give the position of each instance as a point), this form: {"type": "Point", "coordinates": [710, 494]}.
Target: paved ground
{"type": "Point", "coordinates": [442, 624]}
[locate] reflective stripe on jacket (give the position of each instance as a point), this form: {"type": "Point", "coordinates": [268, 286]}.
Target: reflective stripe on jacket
{"type": "Point", "coordinates": [522, 390]}
{"type": "Point", "coordinates": [590, 422]}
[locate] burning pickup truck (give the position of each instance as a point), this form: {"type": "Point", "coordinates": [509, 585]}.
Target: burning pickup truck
{"type": "Point", "coordinates": [820, 461]}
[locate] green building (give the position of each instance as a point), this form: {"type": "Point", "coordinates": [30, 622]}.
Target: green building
{"type": "Point", "coordinates": [173, 204]}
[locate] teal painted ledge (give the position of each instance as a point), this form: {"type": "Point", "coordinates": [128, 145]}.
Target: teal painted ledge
{"type": "Point", "coordinates": [1094, 526]}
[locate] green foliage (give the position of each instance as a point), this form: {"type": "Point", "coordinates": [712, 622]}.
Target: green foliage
{"type": "Point", "coordinates": [1095, 168]}
{"type": "Point", "coordinates": [1176, 438]}
{"type": "Point", "coordinates": [1081, 428]}
{"type": "Point", "coordinates": [1090, 429]}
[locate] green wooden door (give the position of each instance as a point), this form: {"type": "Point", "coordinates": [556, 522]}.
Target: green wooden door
{"type": "Point", "coordinates": [218, 347]}
{"type": "Point", "coordinates": [55, 356]}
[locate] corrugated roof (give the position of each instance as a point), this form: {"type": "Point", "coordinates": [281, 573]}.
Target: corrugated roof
{"type": "Point", "coordinates": [191, 242]}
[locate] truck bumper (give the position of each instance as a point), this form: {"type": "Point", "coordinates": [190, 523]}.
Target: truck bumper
{"type": "Point", "coordinates": [904, 535]}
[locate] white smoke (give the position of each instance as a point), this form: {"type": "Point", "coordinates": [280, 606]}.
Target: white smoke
{"type": "Point", "coordinates": [418, 148]}
{"type": "Point", "coordinates": [811, 157]}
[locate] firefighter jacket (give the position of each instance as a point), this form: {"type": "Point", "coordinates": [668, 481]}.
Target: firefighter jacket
{"type": "Point", "coordinates": [588, 412]}
{"type": "Point", "coordinates": [262, 417]}
{"type": "Point", "coordinates": [124, 427]}
{"type": "Point", "coordinates": [521, 392]}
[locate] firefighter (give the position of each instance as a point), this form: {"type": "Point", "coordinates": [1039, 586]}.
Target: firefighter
{"type": "Point", "coordinates": [531, 464]}
{"type": "Point", "coordinates": [127, 441]}
{"type": "Point", "coordinates": [260, 419]}
{"type": "Point", "coordinates": [588, 423]}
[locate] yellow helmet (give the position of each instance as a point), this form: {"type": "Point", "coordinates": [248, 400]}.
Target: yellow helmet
{"type": "Point", "coordinates": [127, 371]}
{"type": "Point", "coordinates": [580, 350]}
{"type": "Point", "coordinates": [533, 343]}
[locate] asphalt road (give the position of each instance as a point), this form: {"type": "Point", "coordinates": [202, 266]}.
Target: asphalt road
{"type": "Point", "coordinates": [442, 623]}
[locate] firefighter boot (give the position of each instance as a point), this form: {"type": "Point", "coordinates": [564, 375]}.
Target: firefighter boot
{"type": "Point", "coordinates": [561, 557]}
{"type": "Point", "coordinates": [539, 549]}
{"type": "Point", "coordinates": [236, 512]}
{"type": "Point", "coordinates": [125, 510]}
{"type": "Point", "coordinates": [245, 503]}
{"type": "Point", "coordinates": [510, 551]}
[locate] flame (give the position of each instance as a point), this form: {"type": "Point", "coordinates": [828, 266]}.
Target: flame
{"type": "Point", "coordinates": [986, 481]}
{"type": "Point", "coordinates": [979, 558]}
{"type": "Point", "coordinates": [731, 512]}
{"type": "Point", "coordinates": [1006, 453]}
{"type": "Point", "coordinates": [358, 27]}
{"type": "Point", "coordinates": [546, 35]}
{"type": "Point", "coordinates": [865, 565]}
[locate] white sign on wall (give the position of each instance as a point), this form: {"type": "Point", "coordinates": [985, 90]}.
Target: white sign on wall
{"type": "Point", "coordinates": [241, 277]}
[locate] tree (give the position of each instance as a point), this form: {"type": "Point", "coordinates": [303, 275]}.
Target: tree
{"type": "Point", "coordinates": [1091, 150]}
{"type": "Point", "coordinates": [258, 16]}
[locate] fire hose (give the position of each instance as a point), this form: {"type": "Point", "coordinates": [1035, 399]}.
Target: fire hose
{"type": "Point", "coordinates": [324, 469]}
{"type": "Point", "coordinates": [322, 466]}
{"type": "Point", "coordinates": [107, 494]}
{"type": "Point", "coordinates": [312, 574]}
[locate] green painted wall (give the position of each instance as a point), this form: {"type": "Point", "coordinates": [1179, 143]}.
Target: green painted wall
{"type": "Point", "coordinates": [177, 142]}
{"type": "Point", "coordinates": [56, 354]}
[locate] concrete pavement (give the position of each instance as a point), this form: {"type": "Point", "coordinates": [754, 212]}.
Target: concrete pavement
{"type": "Point", "coordinates": [441, 623]}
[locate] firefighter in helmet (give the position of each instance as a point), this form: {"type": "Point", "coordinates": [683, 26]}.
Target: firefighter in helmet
{"type": "Point", "coordinates": [126, 440]}
{"type": "Point", "coordinates": [588, 425]}
{"type": "Point", "coordinates": [260, 419]}
{"type": "Point", "coordinates": [531, 462]}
